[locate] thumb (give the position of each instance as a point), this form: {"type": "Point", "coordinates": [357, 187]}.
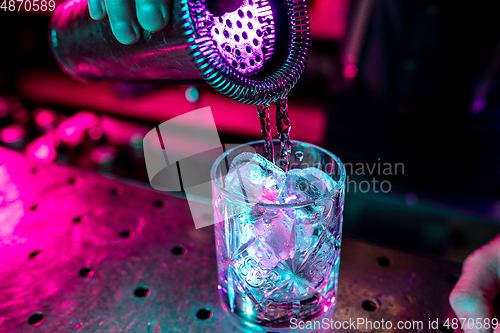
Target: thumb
{"type": "Point", "coordinates": [478, 284]}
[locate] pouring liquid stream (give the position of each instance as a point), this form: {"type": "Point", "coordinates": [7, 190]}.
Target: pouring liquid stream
{"type": "Point", "coordinates": [283, 127]}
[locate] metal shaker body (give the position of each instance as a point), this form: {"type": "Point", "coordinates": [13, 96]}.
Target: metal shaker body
{"type": "Point", "coordinates": [253, 55]}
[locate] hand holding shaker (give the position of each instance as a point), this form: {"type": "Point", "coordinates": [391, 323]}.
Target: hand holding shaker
{"type": "Point", "coordinates": [253, 55]}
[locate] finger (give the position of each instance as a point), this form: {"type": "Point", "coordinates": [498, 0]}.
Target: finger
{"type": "Point", "coordinates": [153, 15]}
{"type": "Point", "coordinates": [478, 284]}
{"type": "Point", "coordinates": [228, 5]}
{"type": "Point", "coordinates": [97, 9]}
{"type": "Point", "coordinates": [123, 20]}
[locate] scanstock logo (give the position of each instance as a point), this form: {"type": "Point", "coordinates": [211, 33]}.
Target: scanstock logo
{"type": "Point", "coordinates": [179, 155]}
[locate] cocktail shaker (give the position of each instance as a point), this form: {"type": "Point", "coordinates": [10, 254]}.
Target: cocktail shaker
{"type": "Point", "coordinates": [254, 55]}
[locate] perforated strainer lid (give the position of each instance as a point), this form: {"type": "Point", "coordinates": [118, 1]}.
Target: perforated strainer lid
{"type": "Point", "coordinates": [255, 54]}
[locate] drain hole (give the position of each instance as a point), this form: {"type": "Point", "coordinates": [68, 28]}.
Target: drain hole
{"type": "Point", "coordinates": [117, 191]}
{"type": "Point", "coordinates": [34, 254]}
{"type": "Point", "coordinates": [36, 319]}
{"type": "Point", "coordinates": [75, 180]}
{"type": "Point", "coordinates": [125, 233]}
{"type": "Point", "coordinates": [161, 203]}
{"type": "Point", "coordinates": [204, 314]}
{"type": "Point", "coordinates": [34, 207]}
{"type": "Point", "coordinates": [369, 305]}
{"type": "Point", "coordinates": [452, 278]}
{"type": "Point", "coordinates": [445, 329]}
{"type": "Point", "coordinates": [178, 250]}
{"type": "Point", "coordinates": [86, 272]}
{"type": "Point", "coordinates": [384, 261]}
{"type": "Point", "coordinates": [141, 291]}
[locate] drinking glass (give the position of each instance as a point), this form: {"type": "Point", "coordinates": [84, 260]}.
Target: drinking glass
{"type": "Point", "coordinates": [278, 263]}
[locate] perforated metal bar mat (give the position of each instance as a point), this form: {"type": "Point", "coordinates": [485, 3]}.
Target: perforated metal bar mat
{"type": "Point", "coordinates": [81, 252]}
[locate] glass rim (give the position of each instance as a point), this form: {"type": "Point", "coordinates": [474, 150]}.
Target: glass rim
{"type": "Point", "coordinates": [338, 186]}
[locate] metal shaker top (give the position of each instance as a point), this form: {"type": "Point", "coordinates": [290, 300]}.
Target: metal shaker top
{"type": "Point", "coordinates": [254, 55]}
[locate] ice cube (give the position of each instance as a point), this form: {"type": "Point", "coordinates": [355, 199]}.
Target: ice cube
{"type": "Point", "coordinates": [276, 230]}
{"type": "Point", "coordinates": [254, 178]}
{"type": "Point", "coordinates": [306, 184]}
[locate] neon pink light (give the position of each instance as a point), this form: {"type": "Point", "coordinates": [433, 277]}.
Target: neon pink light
{"type": "Point", "coordinates": [95, 133]}
{"type": "Point", "coordinates": [12, 133]}
{"type": "Point", "coordinates": [350, 71]}
{"type": "Point", "coordinates": [41, 150]}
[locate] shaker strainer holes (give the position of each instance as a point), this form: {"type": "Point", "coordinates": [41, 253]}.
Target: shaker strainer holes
{"type": "Point", "coordinates": [228, 48]}
{"type": "Point", "coordinates": [238, 24]}
{"type": "Point", "coordinates": [226, 34]}
{"type": "Point", "coordinates": [252, 62]}
{"type": "Point", "coordinates": [244, 35]}
{"type": "Point", "coordinates": [240, 13]}
{"type": "Point", "coordinates": [237, 38]}
{"type": "Point", "coordinates": [237, 52]}
{"type": "Point", "coordinates": [250, 25]}
{"type": "Point", "coordinates": [234, 64]}
{"type": "Point", "coordinates": [249, 49]}
{"type": "Point", "coordinates": [257, 58]}
{"type": "Point", "coordinates": [259, 33]}
{"type": "Point", "coordinates": [36, 319]}
{"type": "Point", "coordinates": [249, 14]}
{"type": "Point", "coordinates": [204, 314]}
{"type": "Point", "coordinates": [369, 305]}
{"type": "Point", "coordinates": [255, 42]}
{"type": "Point", "coordinates": [229, 23]}
{"type": "Point", "coordinates": [141, 291]}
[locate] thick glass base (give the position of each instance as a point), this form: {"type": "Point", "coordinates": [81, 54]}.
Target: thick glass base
{"type": "Point", "coordinates": [314, 323]}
